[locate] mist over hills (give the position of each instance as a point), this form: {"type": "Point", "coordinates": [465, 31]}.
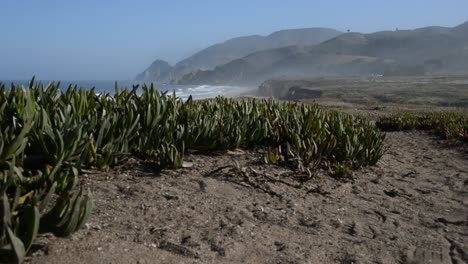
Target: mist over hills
{"type": "Point", "coordinates": [429, 50]}
{"type": "Point", "coordinates": [232, 49]}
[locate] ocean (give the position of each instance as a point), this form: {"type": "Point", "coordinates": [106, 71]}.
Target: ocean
{"type": "Point", "coordinates": [182, 91]}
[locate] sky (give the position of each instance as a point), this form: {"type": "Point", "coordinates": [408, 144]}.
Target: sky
{"type": "Point", "coordinates": [117, 39]}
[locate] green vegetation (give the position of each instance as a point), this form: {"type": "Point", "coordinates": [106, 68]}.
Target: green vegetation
{"type": "Point", "coordinates": [449, 91]}
{"type": "Point", "coordinates": [41, 147]}
{"type": "Point", "coordinates": [47, 136]}
{"type": "Point", "coordinates": [448, 125]}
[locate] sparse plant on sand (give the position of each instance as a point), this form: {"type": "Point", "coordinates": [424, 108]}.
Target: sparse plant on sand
{"type": "Point", "coordinates": [448, 124]}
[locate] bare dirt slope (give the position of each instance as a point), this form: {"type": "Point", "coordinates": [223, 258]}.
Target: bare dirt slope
{"type": "Point", "coordinates": [410, 208]}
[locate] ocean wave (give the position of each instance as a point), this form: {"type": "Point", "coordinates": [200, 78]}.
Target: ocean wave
{"type": "Point", "coordinates": [182, 91]}
{"type": "Point", "coordinates": [209, 91]}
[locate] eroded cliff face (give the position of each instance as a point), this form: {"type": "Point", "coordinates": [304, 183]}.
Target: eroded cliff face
{"type": "Point", "coordinates": [288, 89]}
{"type": "Point", "coordinates": [272, 88]}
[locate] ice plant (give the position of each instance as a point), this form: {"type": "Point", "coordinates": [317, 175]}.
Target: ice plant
{"type": "Point", "coordinates": [48, 135]}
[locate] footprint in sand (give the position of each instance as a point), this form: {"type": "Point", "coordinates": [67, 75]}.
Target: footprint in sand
{"type": "Point", "coordinates": [429, 252]}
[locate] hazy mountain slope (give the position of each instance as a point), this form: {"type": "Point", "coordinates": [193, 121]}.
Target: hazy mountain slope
{"type": "Point", "coordinates": [239, 47]}
{"type": "Point", "coordinates": [232, 49]}
{"type": "Point", "coordinates": [289, 61]}
{"type": "Point", "coordinates": [412, 52]}
{"type": "Point", "coordinates": [404, 46]}
{"type": "Point", "coordinates": [158, 69]}
{"type": "Point", "coordinates": [461, 29]}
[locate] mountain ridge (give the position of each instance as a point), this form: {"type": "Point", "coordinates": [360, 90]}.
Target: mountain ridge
{"type": "Point", "coordinates": [419, 51]}
{"type": "Point", "coordinates": [222, 53]}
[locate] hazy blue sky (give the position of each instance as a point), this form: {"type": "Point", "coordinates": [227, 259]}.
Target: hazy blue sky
{"type": "Point", "coordinates": [116, 39]}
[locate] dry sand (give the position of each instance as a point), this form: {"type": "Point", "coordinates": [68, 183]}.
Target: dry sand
{"type": "Point", "coordinates": [412, 207]}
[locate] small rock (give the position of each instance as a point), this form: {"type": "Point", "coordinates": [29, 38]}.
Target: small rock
{"type": "Point", "coordinates": [336, 222]}
{"type": "Point", "coordinates": [356, 190]}
{"type": "Point", "coordinates": [169, 196]}
{"type": "Point", "coordinates": [392, 193]}
{"type": "Point", "coordinates": [202, 185]}
{"type": "Point", "coordinates": [280, 246]}
{"type": "Point", "coordinates": [187, 164]}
